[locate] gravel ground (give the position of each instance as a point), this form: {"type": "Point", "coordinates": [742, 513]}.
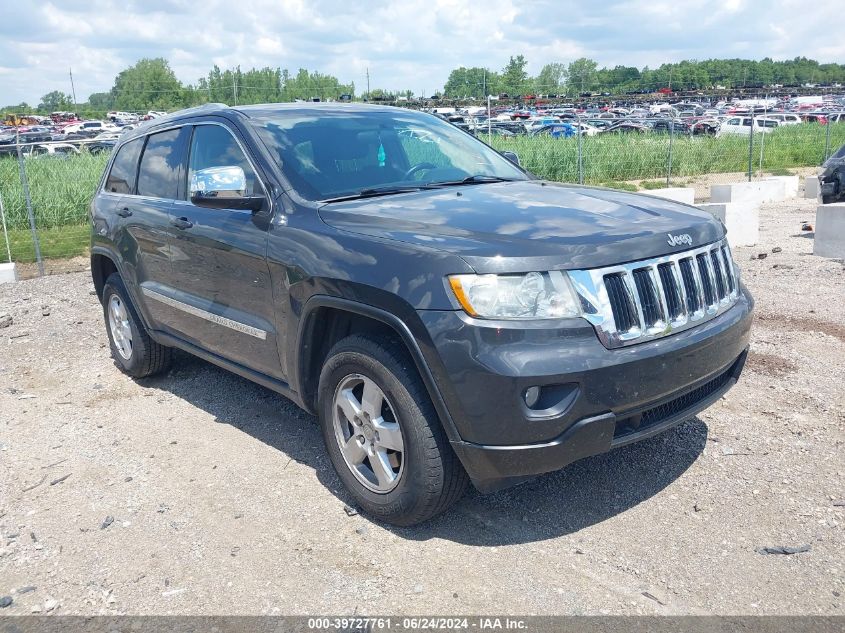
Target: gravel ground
{"type": "Point", "coordinates": [199, 492]}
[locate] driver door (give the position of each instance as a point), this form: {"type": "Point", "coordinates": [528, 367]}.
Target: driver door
{"type": "Point", "coordinates": [219, 261]}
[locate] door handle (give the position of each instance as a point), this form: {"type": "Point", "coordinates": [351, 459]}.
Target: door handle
{"type": "Point", "coordinates": [125, 212]}
{"type": "Point", "coordinates": [181, 223]}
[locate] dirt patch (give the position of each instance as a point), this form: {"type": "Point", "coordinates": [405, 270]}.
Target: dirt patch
{"type": "Point", "coordinates": [803, 324]}
{"type": "Point", "coordinates": [54, 267]}
{"type": "Point", "coordinates": [770, 364]}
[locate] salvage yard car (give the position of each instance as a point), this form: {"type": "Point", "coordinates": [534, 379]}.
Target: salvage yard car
{"type": "Point", "coordinates": [447, 316]}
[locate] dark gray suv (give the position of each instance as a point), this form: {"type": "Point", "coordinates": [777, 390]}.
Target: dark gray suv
{"type": "Point", "coordinates": [446, 315]}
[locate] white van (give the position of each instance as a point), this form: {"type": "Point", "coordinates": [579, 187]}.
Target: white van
{"type": "Point", "coordinates": [742, 125]}
{"type": "Point", "coordinates": [784, 118]}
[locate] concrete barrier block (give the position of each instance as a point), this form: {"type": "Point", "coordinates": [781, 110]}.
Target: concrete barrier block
{"type": "Point", "coordinates": [678, 194]}
{"type": "Point", "coordinates": [829, 239]}
{"type": "Point", "coordinates": [755, 192]}
{"type": "Point", "coordinates": [790, 184]}
{"type": "Point", "coordinates": [742, 221]}
{"type": "Point", "coordinates": [8, 273]}
{"type": "Point", "coordinates": [812, 187]}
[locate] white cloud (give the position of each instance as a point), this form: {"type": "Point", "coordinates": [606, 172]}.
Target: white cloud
{"type": "Point", "coordinates": [411, 44]}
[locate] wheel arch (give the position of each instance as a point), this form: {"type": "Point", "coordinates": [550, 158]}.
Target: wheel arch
{"type": "Point", "coordinates": [326, 320]}
{"type": "Point", "coordinates": [103, 264]}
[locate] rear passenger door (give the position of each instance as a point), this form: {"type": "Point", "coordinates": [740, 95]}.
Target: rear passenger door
{"type": "Point", "coordinates": [148, 213]}
{"type": "Point", "coordinates": [139, 232]}
{"type": "Point", "coordinates": [219, 262]}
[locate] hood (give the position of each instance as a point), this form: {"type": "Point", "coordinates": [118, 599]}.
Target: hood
{"type": "Point", "coordinates": [529, 225]}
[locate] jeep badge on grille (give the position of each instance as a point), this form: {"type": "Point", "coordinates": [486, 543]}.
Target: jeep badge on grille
{"type": "Point", "coordinates": [683, 238]}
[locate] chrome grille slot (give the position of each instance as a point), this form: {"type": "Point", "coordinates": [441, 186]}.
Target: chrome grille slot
{"type": "Point", "coordinates": [706, 279]}
{"type": "Point", "coordinates": [622, 304]}
{"type": "Point", "coordinates": [729, 275]}
{"type": "Point", "coordinates": [671, 291]}
{"type": "Point", "coordinates": [648, 299]}
{"type": "Point", "coordinates": [719, 274]}
{"type": "Point", "coordinates": [691, 286]}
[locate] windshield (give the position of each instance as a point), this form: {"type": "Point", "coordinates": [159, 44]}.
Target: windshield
{"type": "Point", "coordinates": [329, 154]}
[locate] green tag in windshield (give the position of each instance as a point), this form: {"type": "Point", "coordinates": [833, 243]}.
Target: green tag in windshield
{"type": "Point", "coordinates": [381, 155]}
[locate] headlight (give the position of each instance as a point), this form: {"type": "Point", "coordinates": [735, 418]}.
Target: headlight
{"type": "Point", "coordinates": [547, 295]}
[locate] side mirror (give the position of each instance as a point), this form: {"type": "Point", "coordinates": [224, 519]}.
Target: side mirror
{"type": "Point", "coordinates": [223, 188]}
{"type": "Point", "coordinates": [512, 157]}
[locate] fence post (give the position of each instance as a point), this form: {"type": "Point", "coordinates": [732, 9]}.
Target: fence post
{"type": "Point", "coordinates": [5, 231]}
{"type": "Point", "coordinates": [751, 149]}
{"type": "Point", "coordinates": [580, 156]}
{"type": "Point", "coordinates": [671, 139]}
{"type": "Point", "coordinates": [489, 124]}
{"type": "Point", "coordinates": [827, 140]}
{"type": "Point", "coordinates": [29, 212]}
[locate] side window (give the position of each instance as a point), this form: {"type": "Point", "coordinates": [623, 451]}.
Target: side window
{"type": "Point", "coordinates": [214, 146]}
{"type": "Point", "coordinates": [158, 176]}
{"type": "Point", "coordinates": [122, 176]}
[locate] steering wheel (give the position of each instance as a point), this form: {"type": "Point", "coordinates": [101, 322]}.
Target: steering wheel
{"type": "Point", "coordinates": [418, 167]}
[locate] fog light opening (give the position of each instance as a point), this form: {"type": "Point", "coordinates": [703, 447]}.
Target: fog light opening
{"type": "Point", "coordinates": [542, 401]}
{"type": "Point", "coordinates": [531, 396]}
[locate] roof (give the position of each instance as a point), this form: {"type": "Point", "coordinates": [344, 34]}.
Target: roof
{"type": "Point", "coordinates": [256, 111]}
{"type": "Point", "coordinates": [268, 109]}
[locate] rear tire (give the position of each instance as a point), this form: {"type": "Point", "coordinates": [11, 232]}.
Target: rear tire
{"type": "Point", "coordinates": [134, 352]}
{"type": "Point", "coordinates": [396, 462]}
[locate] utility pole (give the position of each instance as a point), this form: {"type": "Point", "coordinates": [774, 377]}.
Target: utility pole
{"type": "Point", "coordinates": [235, 87]}
{"type": "Point", "coordinates": [72, 89]}
{"type": "Point", "coordinates": [368, 83]}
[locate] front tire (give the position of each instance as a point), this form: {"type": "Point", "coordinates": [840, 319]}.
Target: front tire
{"type": "Point", "coordinates": [383, 435]}
{"type": "Point", "coordinates": [134, 352]}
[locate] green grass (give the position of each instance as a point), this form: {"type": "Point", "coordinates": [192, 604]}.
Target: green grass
{"type": "Point", "coordinates": [653, 184]}
{"type": "Point", "coordinates": [58, 242]}
{"type": "Point", "coordinates": [61, 189]}
{"type": "Point", "coordinates": [625, 186]}
{"type": "Point", "coordinates": [614, 158]}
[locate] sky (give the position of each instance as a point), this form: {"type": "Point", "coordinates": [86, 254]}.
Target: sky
{"type": "Point", "coordinates": [405, 44]}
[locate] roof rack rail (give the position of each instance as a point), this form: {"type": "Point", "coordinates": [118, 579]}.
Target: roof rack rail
{"type": "Point", "coordinates": [199, 108]}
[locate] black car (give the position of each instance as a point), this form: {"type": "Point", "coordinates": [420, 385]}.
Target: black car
{"type": "Point", "coordinates": [447, 316]}
{"type": "Point", "coordinates": [669, 126]}
{"type": "Point", "coordinates": [832, 177]}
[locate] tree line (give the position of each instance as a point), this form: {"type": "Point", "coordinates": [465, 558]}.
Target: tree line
{"type": "Point", "coordinates": [151, 84]}
{"type": "Point", "coordinates": [583, 76]}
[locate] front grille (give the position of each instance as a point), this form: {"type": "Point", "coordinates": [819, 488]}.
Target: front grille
{"type": "Point", "coordinates": [643, 300]}
{"type": "Point", "coordinates": [656, 415]}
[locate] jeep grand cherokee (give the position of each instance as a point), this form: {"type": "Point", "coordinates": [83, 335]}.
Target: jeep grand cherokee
{"type": "Point", "coordinates": [446, 315]}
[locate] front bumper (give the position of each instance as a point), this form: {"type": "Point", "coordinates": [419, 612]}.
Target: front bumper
{"type": "Point", "coordinates": [608, 397]}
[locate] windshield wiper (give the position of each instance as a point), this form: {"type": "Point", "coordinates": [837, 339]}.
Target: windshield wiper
{"type": "Point", "coordinates": [374, 192]}
{"type": "Point", "coordinates": [471, 180]}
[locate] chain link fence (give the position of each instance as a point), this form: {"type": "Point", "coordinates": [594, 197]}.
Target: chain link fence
{"type": "Point", "coordinates": [46, 189]}
{"type": "Point", "coordinates": [639, 161]}
{"type": "Point", "coordinates": [44, 198]}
